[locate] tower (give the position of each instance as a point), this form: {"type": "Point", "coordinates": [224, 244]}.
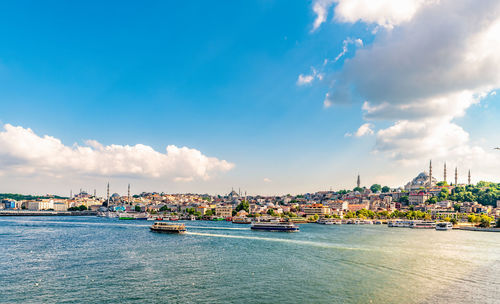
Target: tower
{"type": "Point", "coordinates": [358, 183]}
{"type": "Point", "coordinates": [430, 173]}
{"type": "Point", "coordinates": [71, 194]}
{"type": "Point", "coordinates": [107, 195]}
{"type": "Point", "coordinates": [445, 171]}
{"type": "Point", "coordinates": [128, 196]}
{"type": "Point", "coordinates": [94, 194]}
{"type": "Point", "coordinates": [468, 178]}
{"type": "Point", "coordinates": [456, 177]}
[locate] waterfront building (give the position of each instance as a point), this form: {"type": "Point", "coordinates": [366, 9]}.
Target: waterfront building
{"type": "Point", "coordinates": [224, 211]}
{"type": "Point", "coordinates": [318, 209]}
{"type": "Point", "coordinates": [40, 205]}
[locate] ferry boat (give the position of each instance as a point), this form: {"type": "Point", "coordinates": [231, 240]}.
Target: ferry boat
{"type": "Point", "coordinates": [444, 226]}
{"type": "Point", "coordinates": [241, 220]}
{"type": "Point", "coordinates": [423, 225]}
{"type": "Point", "coordinates": [275, 226]}
{"type": "Point", "coordinates": [168, 228]}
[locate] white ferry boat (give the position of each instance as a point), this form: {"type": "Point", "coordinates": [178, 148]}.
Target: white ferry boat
{"type": "Point", "coordinates": [168, 228]}
{"type": "Point", "coordinates": [444, 226]}
{"type": "Point", "coordinates": [275, 226]}
{"type": "Point", "coordinates": [423, 225]}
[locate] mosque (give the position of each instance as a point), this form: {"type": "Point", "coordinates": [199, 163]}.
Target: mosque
{"type": "Point", "coordinates": [426, 180]}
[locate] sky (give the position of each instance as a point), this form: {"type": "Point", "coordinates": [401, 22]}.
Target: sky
{"type": "Point", "coordinates": [266, 96]}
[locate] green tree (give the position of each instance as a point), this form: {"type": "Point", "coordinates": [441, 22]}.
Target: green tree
{"type": "Point", "coordinates": [404, 199]}
{"type": "Point", "coordinates": [442, 184]}
{"type": "Point", "coordinates": [376, 188]}
{"type": "Point", "coordinates": [82, 208]}
{"type": "Point", "coordinates": [137, 208]}
{"type": "Point", "coordinates": [209, 212]}
{"type": "Point", "coordinates": [243, 206]}
{"type": "Point", "coordinates": [385, 189]}
{"type": "Point", "coordinates": [359, 189]}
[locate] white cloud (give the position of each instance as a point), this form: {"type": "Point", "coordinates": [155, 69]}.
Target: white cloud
{"type": "Point", "coordinates": [320, 8]}
{"type": "Point", "coordinates": [267, 180]}
{"type": "Point", "coordinates": [386, 13]}
{"type": "Point", "coordinates": [493, 93]}
{"type": "Point", "coordinates": [358, 42]}
{"type": "Point", "coordinates": [304, 79]}
{"type": "Point", "coordinates": [308, 79]}
{"type": "Point", "coordinates": [327, 102]}
{"type": "Point", "coordinates": [22, 152]}
{"type": "Point", "coordinates": [364, 129]}
{"type": "Point", "coordinates": [429, 62]}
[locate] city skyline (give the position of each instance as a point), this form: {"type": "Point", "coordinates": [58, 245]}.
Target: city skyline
{"type": "Point", "coordinates": [274, 97]}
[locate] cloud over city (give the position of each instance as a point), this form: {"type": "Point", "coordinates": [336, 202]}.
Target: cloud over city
{"type": "Point", "coordinates": [23, 152]}
{"type": "Point", "coordinates": [429, 62]}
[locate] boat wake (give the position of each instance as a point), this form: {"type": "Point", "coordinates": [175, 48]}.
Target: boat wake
{"type": "Point", "coordinates": [289, 241]}
{"type": "Point", "coordinates": [216, 228]}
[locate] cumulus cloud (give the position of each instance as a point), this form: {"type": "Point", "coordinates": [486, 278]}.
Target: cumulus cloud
{"type": "Point", "coordinates": [429, 62]}
{"type": "Point", "coordinates": [386, 13]}
{"type": "Point", "coordinates": [267, 180]}
{"type": "Point", "coordinates": [364, 129]}
{"type": "Point", "coordinates": [23, 152]}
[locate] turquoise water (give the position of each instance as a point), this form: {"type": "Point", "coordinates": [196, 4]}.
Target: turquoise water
{"type": "Point", "coordinates": [98, 260]}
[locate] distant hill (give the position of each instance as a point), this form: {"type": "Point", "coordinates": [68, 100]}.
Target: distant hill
{"type": "Point", "coordinates": [20, 197]}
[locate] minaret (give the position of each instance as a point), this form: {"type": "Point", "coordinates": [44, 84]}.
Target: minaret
{"type": "Point", "coordinates": [95, 194]}
{"type": "Point", "coordinates": [359, 181]}
{"type": "Point", "coordinates": [107, 195]}
{"type": "Point", "coordinates": [128, 194]}
{"type": "Point", "coordinates": [445, 171]}
{"type": "Point", "coordinates": [71, 194]}
{"type": "Point", "coordinates": [469, 177]}
{"type": "Point", "coordinates": [430, 173]}
{"type": "Point", "coordinates": [456, 177]}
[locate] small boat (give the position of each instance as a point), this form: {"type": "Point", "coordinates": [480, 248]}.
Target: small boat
{"type": "Point", "coordinates": [326, 221]}
{"type": "Point", "coordinates": [168, 228]}
{"type": "Point", "coordinates": [444, 226]}
{"type": "Point", "coordinates": [275, 226]}
{"type": "Point", "coordinates": [241, 220]}
{"type": "Point", "coordinates": [399, 224]}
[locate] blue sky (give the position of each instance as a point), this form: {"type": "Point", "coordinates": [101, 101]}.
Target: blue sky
{"type": "Point", "coordinates": [219, 77]}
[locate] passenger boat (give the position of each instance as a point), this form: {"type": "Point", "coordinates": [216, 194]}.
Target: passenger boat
{"type": "Point", "coordinates": [444, 226]}
{"type": "Point", "coordinates": [168, 228]}
{"type": "Point", "coordinates": [423, 225]}
{"type": "Point", "coordinates": [275, 226]}
{"type": "Point", "coordinates": [241, 220]}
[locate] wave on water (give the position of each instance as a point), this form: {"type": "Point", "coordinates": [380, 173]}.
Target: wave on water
{"type": "Point", "coordinates": [289, 241]}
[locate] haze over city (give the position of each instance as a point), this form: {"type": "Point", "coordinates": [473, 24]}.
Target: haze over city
{"type": "Point", "coordinates": [272, 97]}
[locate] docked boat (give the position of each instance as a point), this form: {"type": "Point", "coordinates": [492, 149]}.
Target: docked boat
{"type": "Point", "coordinates": [275, 226]}
{"type": "Point", "coordinates": [400, 224]}
{"type": "Point", "coordinates": [444, 226]}
{"type": "Point", "coordinates": [168, 228]}
{"type": "Point", "coordinates": [328, 221]}
{"type": "Point", "coordinates": [241, 220]}
{"type": "Point", "coordinates": [423, 225]}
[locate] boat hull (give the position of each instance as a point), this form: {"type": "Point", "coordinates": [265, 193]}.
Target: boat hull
{"type": "Point", "coordinates": [279, 229]}
{"type": "Point", "coordinates": [167, 231]}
